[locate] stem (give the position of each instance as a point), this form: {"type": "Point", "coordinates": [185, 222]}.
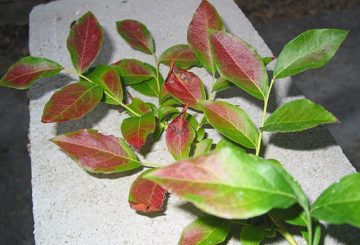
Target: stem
{"type": "Point", "coordinates": [151, 165]}
{"type": "Point", "coordinates": [264, 115]}
{"type": "Point", "coordinates": [283, 231]}
{"type": "Point", "coordinates": [309, 227]}
{"type": "Point", "coordinates": [114, 98]}
{"type": "Point", "coordinates": [157, 71]}
{"type": "Point", "coordinates": [210, 97]}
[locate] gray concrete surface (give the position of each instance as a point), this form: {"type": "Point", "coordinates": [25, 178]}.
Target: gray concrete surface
{"type": "Point", "coordinates": [72, 206]}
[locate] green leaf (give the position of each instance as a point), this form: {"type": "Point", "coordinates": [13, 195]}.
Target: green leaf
{"type": "Point", "coordinates": [203, 147]}
{"type": "Point", "coordinates": [311, 49]}
{"type": "Point", "coordinates": [267, 60]}
{"type": "Point", "coordinates": [149, 87]}
{"type": "Point", "coordinates": [222, 84]}
{"type": "Point", "coordinates": [205, 230]}
{"type": "Point", "coordinates": [231, 121]}
{"type": "Point", "coordinates": [133, 71]}
{"type": "Point", "coordinates": [182, 56]}
{"type": "Point", "coordinates": [224, 142]}
{"type": "Point", "coordinates": [136, 129]}
{"type": "Point", "coordinates": [200, 134]}
{"type": "Point", "coordinates": [295, 215]}
{"type": "Point", "coordinates": [238, 62]}
{"type": "Point", "coordinates": [297, 115]}
{"type": "Point", "coordinates": [136, 35]}
{"type": "Point", "coordinates": [316, 231]}
{"type": "Point", "coordinates": [252, 235]}
{"type": "Point", "coordinates": [108, 78]}
{"type": "Point", "coordinates": [340, 203]}
{"type": "Point", "coordinates": [27, 70]}
{"type": "Point", "coordinates": [139, 106]}
{"type": "Point", "coordinates": [96, 152]}
{"type": "Point", "coordinates": [72, 102]}
{"type": "Point", "coordinates": [251, 185]}
{"type": "Point", "coordinates": [84, 41]}
{"type": "Point", "coordinates": [165, 111]}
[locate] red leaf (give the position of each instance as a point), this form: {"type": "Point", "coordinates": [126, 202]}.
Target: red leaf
{"type": "Point", "coordinates": [133, 71]}
{"type": "Point", "coordinates": [72, 102]}
{"type": "Point", "coordinates": [182, 56]}
{"type": "Point", "coordinates": [84, 41]}
{"type": "Point", "coordinates": [239, 63]}
{"type": "Point", "coordinates": [136, 35]}
{"type": "Point", "coordinates": [136, 129]}
{"type": "Point", "coordinates": [96, 152]}
{"type": "Point", "coordinates": [184, 86]}
{"type": "Point", "coordinates": [108, 78]}
{"type": "Point", "coordinates": [146, 196]}
{"type": "Point", "coordinates": [23, 73]}
{"type": "Point", "coordinates": [179, 136]}
{"type": "Point", "coordinates": [206, 17]}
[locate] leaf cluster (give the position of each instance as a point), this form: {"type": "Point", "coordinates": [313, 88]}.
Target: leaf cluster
{"type": "Point", "coordinates": [228, 182]}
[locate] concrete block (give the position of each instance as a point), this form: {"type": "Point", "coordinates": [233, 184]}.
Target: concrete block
{"type": "Point", "coordinates": [74, 207]}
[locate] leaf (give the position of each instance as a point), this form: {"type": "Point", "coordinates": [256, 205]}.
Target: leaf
{"type": "Point", "coordinates": [96, 152]}
{"type": "Point", "coordinates": [222, 84]}
{"type": "Point", "coordinates": [135, 130]}
{"type": "Point", "coordinates": [297, 115]}
{"type": "Point", "coordinates": [139, 107]}
{"type": "Point", "coordinates": [149, 87]}
{"type": "Point", "coordinates": [179, 136]}
{"type": "Point", "coordinates": [185, 86]}
{"type": "Point", "coordinates": [205, 230]}
{"type": "Point", "coordinates": [267, 60]}
{"type": "Point", "coordinates": [27, 70]}
{"type": "Point", "coordinates": [182, 56]}
{"type": "Point", "coordinates": [238, 62]}
{"type": "Point", "coordinates": [224, 142]}
{"type": "Point", "coordinates": [316, 233]}
{"type": "Point", "coordinates": [294, 215]}
{"type": "Point", "coordinates": [133, 71]}
{"type": "Point", "coordinates": [136, 35]}
{"type": "Point", "coordinates": [252, 235]}
{"type": "Point", "coordinates": [84, 41]}
{"type": "Point", "coordinates": [340, 203]}
{"type": "Point", "coordinates": [206, 17]}
{"type": "Point", "coordinates": [165, 111]}
{"type": "Point", "coordinates": [146, 196]}
{"type": "Point", "coordinates": [231, 121]}
{"type": "Point", "coordinates": [200, 134]}
{"type": "Point", "coordinates": [311, 49]}
{"type": "Point", "coordinates": [108, 78]}
{"type": "Point", "coordinates": [72, 102]}
{"type": "Point", "coordinates": [251, 185]}
{"type": "Point", "coordinates": [203, 147]}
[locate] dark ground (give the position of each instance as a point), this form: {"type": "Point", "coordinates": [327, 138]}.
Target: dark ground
{"type": "Point", "coordinates": [271, 18]}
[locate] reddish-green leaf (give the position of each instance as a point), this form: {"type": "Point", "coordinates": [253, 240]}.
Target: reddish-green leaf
{"type": "Point", "coordinates": [136, 35]}
{"type": "Point", "coordinates": [185, 86]}
{"type": "Point", "coordinates": [203, 147]}
{"type": "Point", "coordinates": [139, 106]}
{"type": "Point", "coordinates": [182, 56]}
{"type": "Point", "coordinates": [108, 78]}
{"type": "Point", "coordinates": [231, 121]}
{"type": "Point", "coordinates": [96, 152]}
{"type": "Point", "coordinates": [23, 73]}
{"type": "Point", "coordinates": [179, 136]}
{"type": "Point", "coordinates": [206, 17]}
{"type": "Point", "coordinates": [133, 71]}
{"type": "Point", "coordinates": [72, 102]}
{"type": "Point", "coordinates": [238, 62]}
{"type": "Point", "coordinates": [136, 129]}
{"type": "Point", "coordinates": [145, 195]}
{"type": "Point", "coordinates": [84, 41]}
{"type": "Point", "coordinates": [205, 230]}
{"type": "Point", "coordinates": [230, 184]}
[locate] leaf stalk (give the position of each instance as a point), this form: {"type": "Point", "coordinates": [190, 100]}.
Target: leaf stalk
{"type": "Point", "coordinates": [283, 231]}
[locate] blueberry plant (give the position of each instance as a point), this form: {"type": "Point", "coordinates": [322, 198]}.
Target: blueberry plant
{"type": "Point", "coordinates": [232, 184]}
